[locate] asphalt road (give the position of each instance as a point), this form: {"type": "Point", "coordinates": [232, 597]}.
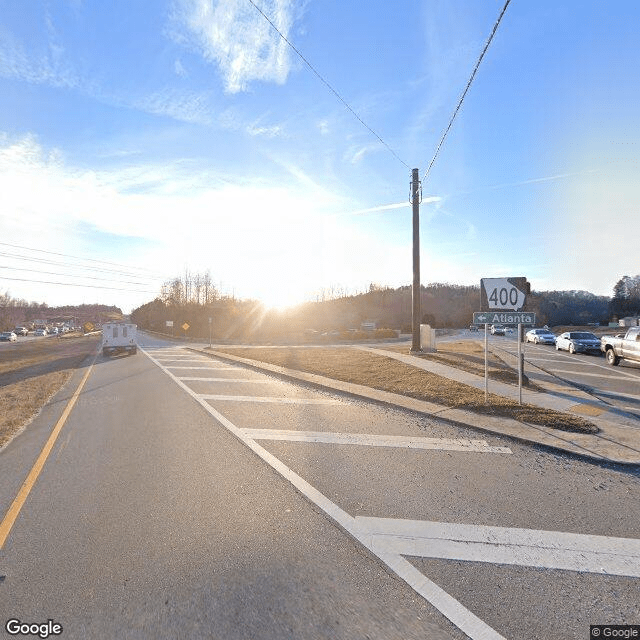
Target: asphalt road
{"type": "Point", "coordinates": [186, 497]}
{"type": "Point", "coordinates": [617, 386]}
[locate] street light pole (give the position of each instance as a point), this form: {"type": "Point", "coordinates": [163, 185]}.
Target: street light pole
{"type": "Point", "coordinates": [416, 195]}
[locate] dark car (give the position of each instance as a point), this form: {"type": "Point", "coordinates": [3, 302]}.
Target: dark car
{"type": "Point", "coordinates": [574, 341]}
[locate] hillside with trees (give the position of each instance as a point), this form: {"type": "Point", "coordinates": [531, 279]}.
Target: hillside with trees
{"type": "Point", "coordinates": [16, 312]}
{"type": "Point", "coordinates": [192, 300]}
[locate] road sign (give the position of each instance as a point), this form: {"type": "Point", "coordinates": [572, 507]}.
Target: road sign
{"type": "Point", "coordinates": [169, 323]}
{"type": "Point", "coordinates": [503, 294]}
{"type": "Point", "coordinates": [504, 317]}
{"type": "Point", "coordinates": [185, 326]}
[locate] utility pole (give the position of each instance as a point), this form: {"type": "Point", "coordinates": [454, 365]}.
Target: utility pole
{"type": "Point", "coordinates": [416, 197]}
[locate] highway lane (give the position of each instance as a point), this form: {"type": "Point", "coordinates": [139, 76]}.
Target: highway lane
{"type": "Point", "coordinates": [618, 386]}
{"type": "Point", "coordinates": [150, 520]}
{"type": "Point", "coordinates": [164, 512]}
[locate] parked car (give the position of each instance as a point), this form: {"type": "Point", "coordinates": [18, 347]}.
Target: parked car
{"type": "Point", "coordinates": [540, 336]}
{"type": "Point", "coordinates": [573, 341]}
{"type": "Point", "coordinates": [21, 331]}
{"type": "Point", "coordinates": [8, 336]}
{"type": "Point", "coordinates": [497, 330]}
{"type": "Point", "coordinates": [40, 332]}
{"type": "Point", "coordinates": [54, 330]}
{"type": "Point", "coordinates": [473, 327]}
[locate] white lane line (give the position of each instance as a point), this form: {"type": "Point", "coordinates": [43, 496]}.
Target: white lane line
{"type": "Point", "coordinates": [502, 545]}
{"type": "Point", "coordinates": [172, 354]}
{"type": "Point", "coordinates": [364, 439]}
{"type": "Point", "coordinates": [209, 368]}
{"type": "Point", "coordinates": [209, 396]}
{"type": "Point", "coordinates": [228, 380]}
{"type": "Point", "coordinates": [200, 360]}
{"type": "Point", "coordinates": [598, 375]}
{"type": "Point", "coordinates": [459, 615]}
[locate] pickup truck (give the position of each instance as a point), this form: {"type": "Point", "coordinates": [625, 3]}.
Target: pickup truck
{"type": "Point", "coordinates": [118, 337]}
{"type": "Point", "coordinates": [620, 347]}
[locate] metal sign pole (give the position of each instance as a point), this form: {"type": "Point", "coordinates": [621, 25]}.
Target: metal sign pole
{"type": "Point", "coordinates": [520, 363]}
{"type": "Point", "coordinates": [486, 364]}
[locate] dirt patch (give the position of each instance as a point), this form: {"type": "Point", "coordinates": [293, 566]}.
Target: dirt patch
{"type": "Point", "coordinates": [388, 374]}
{"type": "Point", "coordinates": [31, 372]}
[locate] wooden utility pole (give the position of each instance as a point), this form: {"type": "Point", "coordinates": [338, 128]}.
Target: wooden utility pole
{"type": "Point", "coordinates": [415, 319]}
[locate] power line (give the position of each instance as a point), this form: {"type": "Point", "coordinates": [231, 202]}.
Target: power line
{"type": "Point", "coordinates": [70, 275]}
{"type": "Point", "coordinates": [335, 93]}
{"type": "Point", "coordinates": [76, 266]}
{"type": "Point", "coordinates": [71, 284]}
{"type": "Point", "coordinates": [464, 93]}
{"type": "Point", "coordinates": [66, 255]}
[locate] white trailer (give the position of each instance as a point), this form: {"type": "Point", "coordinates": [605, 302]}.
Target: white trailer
{"type": "Point", "coordinates": [118, 337]}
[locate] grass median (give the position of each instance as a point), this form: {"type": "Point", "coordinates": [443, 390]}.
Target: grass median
{"type": "Point", "coordinates": [387, 374]}
{"type": "Point", "coordinates": [31, 372]}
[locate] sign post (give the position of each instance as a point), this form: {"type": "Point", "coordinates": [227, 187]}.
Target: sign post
{"type": "Point", "coordinates": [486, 363]}
{"type": "Point", "coordinates": [501, 301]}
{"type": "Point", "coordinates": [209, 333]}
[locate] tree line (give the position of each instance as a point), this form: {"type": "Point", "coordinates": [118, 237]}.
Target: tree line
{"type": "Point", "coordinates": [193, 300]}
{"type": "Point", "coordinates": [16, 312]}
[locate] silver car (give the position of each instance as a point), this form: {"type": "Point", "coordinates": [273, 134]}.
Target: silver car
{"type": "Point", "coordinates": [578, 341]}
{"type": "Point", "coordinates": [8, 336]}
{"type": "Point", "coordinates": [540, 336]}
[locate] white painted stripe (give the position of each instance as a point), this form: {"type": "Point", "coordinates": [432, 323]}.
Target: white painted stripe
{"type": "Point", "coordinates": [502, 545]}
{"type": "Point", "coordinates": [461, 617]}
{"type": "Point", "coordinates": [280, 400]}
{"type": "Point", "coordinates": [173, 354]}
{"type": "Point", "coordinates": [200, 360]}
{"type": "Point", "coordinates": [364, 439]}
{"type": "Point", "coordinates": [209, 368]}
{"type": "Point", "coordinates": [230, 380]}
{"type": "Point", "coordinates": [466, 621]}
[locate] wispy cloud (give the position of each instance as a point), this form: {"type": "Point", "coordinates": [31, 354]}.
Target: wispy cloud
{"type": "Point", "coordinates": [390, 207]}
{"type": "Point", "coordinates": [48, 68]}
{"type": "Point", "coordinates": [188, 106]}
{"type": "Point", "coordinates": [258, 128]}
{"type": "Point", "coordinates": [235, 37]}
{"type": "Point", "coordinates": [179, 69]}
{"type": "Point", "coordinates": [559, 176]}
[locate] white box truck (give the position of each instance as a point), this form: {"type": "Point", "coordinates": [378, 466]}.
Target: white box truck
{"type": "Point", "coordinates": [118, 337]}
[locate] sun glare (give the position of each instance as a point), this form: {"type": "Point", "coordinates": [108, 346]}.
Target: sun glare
{"type": "Point", "coordinates": [279, 298]}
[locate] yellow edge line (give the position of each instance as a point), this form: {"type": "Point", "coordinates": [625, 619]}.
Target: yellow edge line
{"type": "Point", "coordinates": [14, 510]}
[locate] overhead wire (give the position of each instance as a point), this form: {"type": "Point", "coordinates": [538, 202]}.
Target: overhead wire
{"type": "Point", "coordinates": [70, 275]}
{"type": "Point", "coordinates": [464, 93]}
{"type": "Point", "coordinates": [66, 255]}
{"type": "Point", "coordinates": [326, 83]}
{"type": "Point", "coordinates": [15, 256]}
{"type": "Point", "coordinates": [72, 284]}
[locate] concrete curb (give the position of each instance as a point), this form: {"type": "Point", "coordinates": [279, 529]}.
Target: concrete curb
{"type": "Point", "coordinates": [614, 444]}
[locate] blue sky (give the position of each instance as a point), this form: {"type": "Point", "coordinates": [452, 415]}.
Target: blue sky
{"type": "Point", "coordinates": [186, 134]}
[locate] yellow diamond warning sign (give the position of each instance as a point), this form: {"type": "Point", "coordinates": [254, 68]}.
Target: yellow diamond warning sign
{"type": "Point", "coordinates": [185, 326]}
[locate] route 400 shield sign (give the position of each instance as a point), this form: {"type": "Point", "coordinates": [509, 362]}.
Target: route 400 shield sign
{"type": "Point", "coordinates": [503, 294]}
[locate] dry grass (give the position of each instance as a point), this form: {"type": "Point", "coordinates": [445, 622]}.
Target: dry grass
{"type": "Point", "coordinates": [388, 374]}
{"type": "Point", "coordinates": [31, 372]}
{"type": "Point", "coordinates": [468, 355]}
